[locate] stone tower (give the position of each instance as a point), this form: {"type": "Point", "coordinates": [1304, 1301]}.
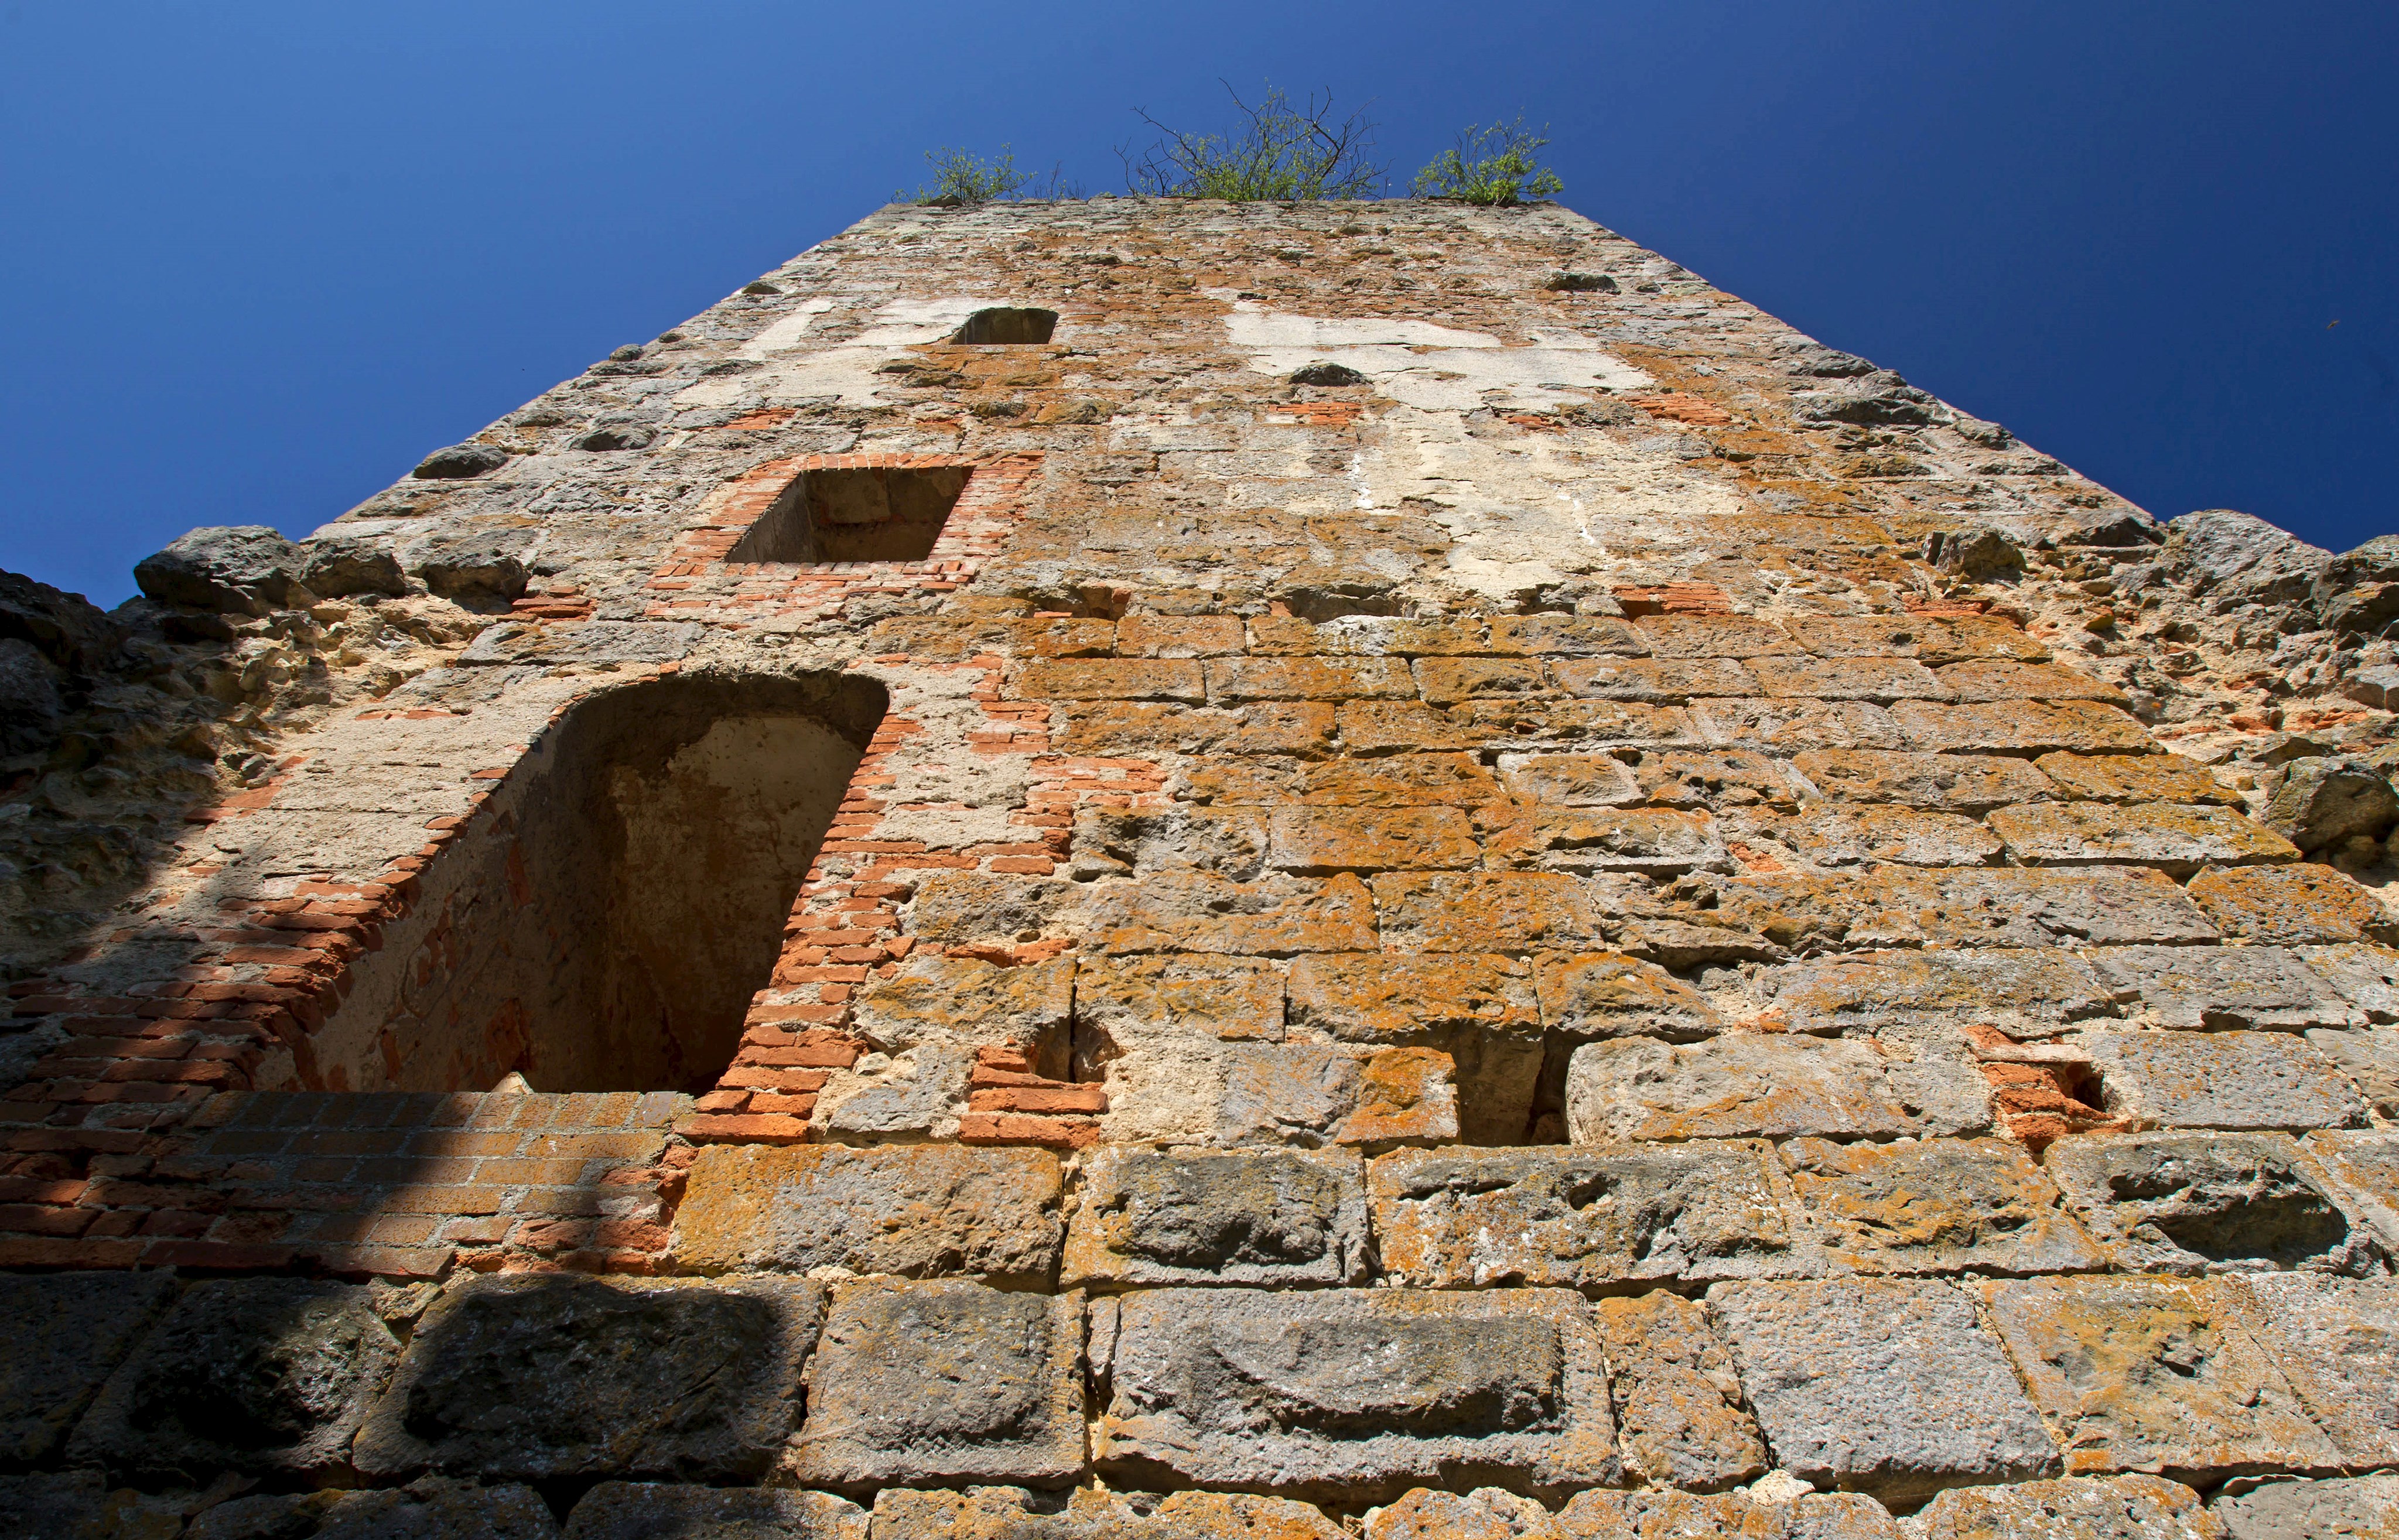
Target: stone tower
{"type": "Point", "coordinates": [1159, 869]}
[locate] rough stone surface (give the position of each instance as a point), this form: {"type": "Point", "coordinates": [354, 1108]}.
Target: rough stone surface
{"type": "Point", "coordinates": [2223, 1080]}
{"type": "Point", "coordinates": [1013, 1513]}
{"type": "Point", "coordinates": [60, 1335]}
{"type": "Point", "coordinates": [635, 1511]}
{"type": "Point", "coordinates": [429, 1507]}
{"type": "Point", "coordinates": [2216, 987]}
{"type": "Point", "coordinates": [1596, 1216]}
{"type": "Point", "coordinates": [2359, 1507]}
{"type": "Point", "coordinates": [945, 1382]}
{"type": "Point", "coordinates": [2210, 1203]}
{"type": "Point", "coordinates": [1679, 1415]}
{"type": "Point", "coordinates": [2076, 1507]}
{"type": "Point", "coordinates": [245, 569]}
{"type": "Point", "coordinates": [1192, 1217]}
{"type": "Point", "coordinates": [2336, 1341]}
{"type": "Point", "coordinates": [1885, 1386]}
{"type": "Point", "coordinates": [1359, 1394]}
{"type": "Point", "coordinates": [532, 1378]}
{"type": "Point", "coordinates": [254, 1375]}
{"type": "Point", "coordinates": [1933, 1206]}
{"type": "Point", "coordinates": [919, 1212]}
{"type": "Point", "coordinates": [2153, 1374]}
{"type": "Point", "coordinates": [1751, 1086]}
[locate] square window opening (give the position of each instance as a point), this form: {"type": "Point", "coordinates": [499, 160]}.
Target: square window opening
{"type": "Point", "coordinates": [1007, 326]}
{"type": "Point", "coordinates": [872, 515]}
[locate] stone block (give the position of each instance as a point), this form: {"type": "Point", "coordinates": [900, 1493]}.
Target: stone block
{"type": "Point", "coordinates": [1486, 1513]}
{"type": "Point", "coordinates": [1240, 679]}
{"type": "Point", "coordinates": [1652, 841]}
{"type": "Point", "coordinates": [1938, 638]}
{"type": "Point", "coordinates": [1530, 724]}
{"type": "Point", "coordinates": [964, 1001]}
{"type": "Point", "coordinates": [694, 1381]}
{"type": "Point", "coordinates": [1734, 777]}
{"type": "Point", "coordinates": [1936, 783]}
{"type": "Point", "coordinates": [1320, 841]}
{"type": "Point", "coordinates": [1012, 1513]}
{"type": "Point", "coordinates": [1876, 679]}
{"type": "Point", "coordinates": [1679, 1414]}
{"type": "Point", "coordinates": [2211, 1203]}
{"type": "Point", "coordinates": [918, 1211]}
{"type": "Point", "coordinates": [1586, 996]}
{"type": "Point", "coordinates": [952, 908]}
{"type": "Point", "coordinates": [2370, 1058]}
{"type": "Point", "coordinates": [1933, 1206]}
{"type": "Point", "coordinates": [259, 1376]}
{"type": "Point", "coordinates": [2004, 680]}
{"type": "Point", "coordinates": [2365, 1166]}
{"type": "Point", "coordinates": [1165, 1085]}
{"type": "Point", "coordinates": [634, 1510]}
{"type": "Point", "coordinates": [2135, 778]}
{"type": "Point", "coordinates": [1143, 728]}
{"type": "Point", "coordinates": [1478, 1009]}
{"type": "Point", "coordinates": [1834, 835]}
{"type": "Point", "coordinates": [1714, 635]}
{"type": "Point", "coordinates": [1884, 1385]}
{"type": "Point", "coordinates": [2336, 1341]}
{"type": "Point", "coordinates": [2074, 1507]}
{"type": "Point", "coordinates": [1666, 679]}
{"type": "Point", "coordinates": [1262, 1217]}
{"type": "Point", "coordinates": [1446, 680]}
{"type": "Point", "coordinates": [79, 1505]}
{"type": "Point", "coordinates": [2172, 837]}
{"type": "Point", "coordinates": [2367, 975]}
{"type": "Point", "coordinates": [1751, 1085]}
{"type": "Point", "coordinates": [2025, 727]}
{"type": "Point", "coordinates": [1730, 1515]}
{"type": "Point", "coordinates": [61, 1334]}
{"type": "Point", "coordinates": [2357, 1508]}
{"type": "Point", "coordinates": [1109, 679]}
{"type": "Point", "coordinates": [2216, 987]}
{"type": "Point", "coordinates": [1394, 780]}
{"type": "Point", "coordinates": [1195, 912]}
{"type": "Point", "coordinates": [943, 1382]}
{"type": "Point", "coordinates": [1514, 912]}
{"type": "Point", "coordinates": [2022, 992]}
{"type": "Point", "coordinates": [431, 1505]}
{"type": "Point", "coordinates": [1569, 780]}
{"type": "Point", "coordinates": [2153, 1374]}
{"type": "Point", "coordinates": [2222, 1080]}
{"type": "Point", "coordinates": [1553, 635]}
{"type": "Point", "coordinates": [1602, 1216]}
{"type": "Point", "coordinates": [1226, 997]}
{"type": "Point", "coordinates": [1356, 1394]}
{"type": "Point", "coordinates": [1968, 906]}
{"type": "Point", "coordinates": [1402, 726]}
{"type": "Point", "coordinates": [1782, 725]}
{"type": "Point", "coordinates": [1116, 842]}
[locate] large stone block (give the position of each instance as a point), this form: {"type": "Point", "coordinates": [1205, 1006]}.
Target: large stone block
{"type": "Point", "coordinates": [1358, 1394]}
{"type": "Point", "coordinates": [2301, 904]}
{"type": "Point", "coordinates": [429, 1507]}
{"type": "Point", "coordinates": [535, 1377]}
{"type": "Point", "coordinates": [2153, 1374]}
{"type": "Point", "coordinates": [1754, 1085]}
{"type": "Point", "coordinates": [1933, 1206]}
{"type": "Point", "coordinates": [1569, 780]}
{"type": "Point", "coordinates": [1666, 679]}
{"type": "Point", "coordinates": [1832, 834]}
{"type": "Point", "coordinates": [2075, 1508]}
{"type": "Point", "coordinates": [1253, 1216]}
{"type": "Point", "coordinates": [1736, 1516]}
{"type": "Point", "coordinates": [1111, 842]}
{"type": "Point", "coordinates": [2016, 727]}
{"type": "Point", "coordinates": [631, 1510]}
{"type": "Point", "coordinates": [60, 1333]}
{"type": "Point", "coordinates": [2367, 975]}
{"type": "Point", "coordinates": [1514, 912]}
{"type": "Point", "coordinates": [964, 1001]}
{"type": "Point", "coordinates": [1479, 1010]}
{"type": "Point", "coordinates": [258, 1376]}
{"type": "Point", "coordinates": [1882, 679]}
{"type": "Point", "coordinates": [1225, 997]}
{"type": "Point", "coordinates": [2216, 987]}
{"type": "Point", "coordinates": [2003, 679]}
{"type": "Point", "coordinates": [1938, 783]}
{"type": "Point", "coordinates": [1320, 841]}
{"type": "Point", "coordinates": [1679, 1414]}
{"type": "Point", "coordinates": [1781, 726]}
{"type": "Point", "coordinates": [1195, 912]}
{"type": "Point", "coordinates": [1884, 1385]}
{"type": "Point", "coordinates": [1012, 1513]}
{"type": "Point", "coordinates": [1968, 906]}
{"type": "Point", "coordinates": [1656, 842]}
{"type": "Point", "coordinates": [1590, 996]}
{"type": "Point", "coordinates": [2210, 1203]}
{"type": "Point", "coordinates": [1720, 779]}
{"type": "Point", "coordinates": [2336, 1341]}
{"type": "Point", "coordinates": [2360, 1508]}
{"type": "Point", "coordinates": [2222, 1080]}
{"type": "Point", "coordinates": [2023, 991]}
{"type": "Point", "coordinates": [1396, 780]}
{"type": "Point", "coordinates": [916, 1210]}
{"type": "Point", "coordinates": [2172, 837]}
{"type": "Point", "coordinates": [943, 1382]}
{"type": "Point", "coordinates": [2365, 1165]}
{"type": "Point", "coordinates": [2135, 778]}
{"type": "Point", "coordinates": [1588, 1217]}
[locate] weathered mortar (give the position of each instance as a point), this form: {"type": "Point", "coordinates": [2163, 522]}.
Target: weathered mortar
{"type": "Point", "coordinates": [1595, 908]}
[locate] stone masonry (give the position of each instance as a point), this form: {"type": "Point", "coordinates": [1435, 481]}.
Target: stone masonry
{"type": "Point", "coordinates": [1163, 869]}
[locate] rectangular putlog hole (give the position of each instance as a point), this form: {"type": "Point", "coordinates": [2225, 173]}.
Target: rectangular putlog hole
{"type": "Point", "coordinates": [876, 514]}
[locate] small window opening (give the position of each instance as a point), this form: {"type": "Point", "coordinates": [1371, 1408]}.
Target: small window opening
{"type": "Point", "coordinates": [1003, 325]}
{"type": "Point", "coordinates": [875, 515]}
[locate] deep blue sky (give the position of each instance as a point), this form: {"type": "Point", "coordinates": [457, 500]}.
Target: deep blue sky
{"type": "Point", "coordinates": [256, 259]}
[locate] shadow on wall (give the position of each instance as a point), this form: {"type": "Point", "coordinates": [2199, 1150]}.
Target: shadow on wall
{"type": "Point", "coordinates": [620, 901]}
